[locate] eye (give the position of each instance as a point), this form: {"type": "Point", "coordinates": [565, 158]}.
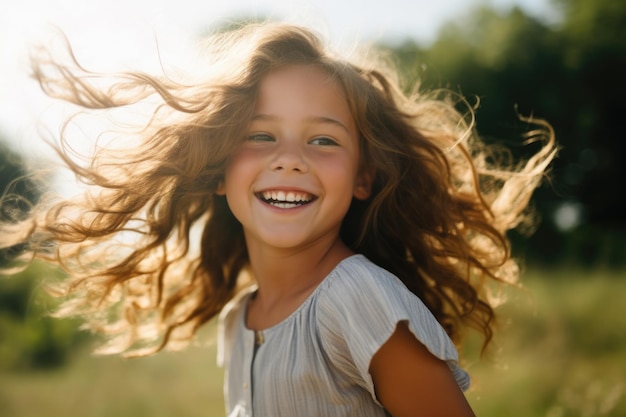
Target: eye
{"type": "Point", "coordinates": [324, 141]}
{"type": "Point", "coordinates": [260, 137]}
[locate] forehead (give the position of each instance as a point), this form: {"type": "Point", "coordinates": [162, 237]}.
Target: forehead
{"type": "Point", "coordinates": [302, 88]}
{"type": "Point", "coordinates": [298, 72]}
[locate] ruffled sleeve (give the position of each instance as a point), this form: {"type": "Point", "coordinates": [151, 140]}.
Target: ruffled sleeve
{"type": "Point", "coordinates": [359, 308]}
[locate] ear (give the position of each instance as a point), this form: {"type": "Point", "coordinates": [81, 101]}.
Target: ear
{"type": "Point", "coordinates": [363, 185]}
{"type": "Point", "coordinates": [221, 188]}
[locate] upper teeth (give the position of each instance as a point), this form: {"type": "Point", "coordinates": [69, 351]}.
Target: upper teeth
{"type": "Point", "coordinates": [285, 196]}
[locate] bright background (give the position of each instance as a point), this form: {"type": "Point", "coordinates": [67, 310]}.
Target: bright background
{"type": "Point", "coordinates": [118, 34]}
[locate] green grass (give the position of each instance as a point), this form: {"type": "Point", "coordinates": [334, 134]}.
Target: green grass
{"type": "Point", "coordinates": [562, 353]}
{"type": "Point", "coordinates": [182, 384]}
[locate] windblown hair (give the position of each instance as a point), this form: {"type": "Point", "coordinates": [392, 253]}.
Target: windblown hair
{"type": "Point", "coordinates": [437, 216]}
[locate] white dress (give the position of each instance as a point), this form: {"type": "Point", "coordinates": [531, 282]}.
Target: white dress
{"type": "Point", "coordinates": [316, 361]}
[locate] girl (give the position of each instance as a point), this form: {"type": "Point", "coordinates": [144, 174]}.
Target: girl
{"type": "Point", "coordinates": [348, 232]}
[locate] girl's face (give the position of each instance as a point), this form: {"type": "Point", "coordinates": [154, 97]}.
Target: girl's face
{"type": "Point", "coordinates": [292, 181]}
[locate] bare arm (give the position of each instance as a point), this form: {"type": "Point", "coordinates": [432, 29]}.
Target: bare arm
{"type": "Point", "coordinates": [410, 381]}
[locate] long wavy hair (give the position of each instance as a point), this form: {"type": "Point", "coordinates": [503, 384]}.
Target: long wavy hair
{"type": "Point", "coordinates": [152, 253]}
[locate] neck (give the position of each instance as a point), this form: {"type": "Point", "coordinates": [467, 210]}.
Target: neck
{"type": "Point", "coordinates": [283, 274]}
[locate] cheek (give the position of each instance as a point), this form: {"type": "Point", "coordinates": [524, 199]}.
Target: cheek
{"type": "Point", "coordinates": [339, 178]}
{"type": "Point", "coordinates": [239, 169]}
{"type": "Point", "coordinates": [341, 167]}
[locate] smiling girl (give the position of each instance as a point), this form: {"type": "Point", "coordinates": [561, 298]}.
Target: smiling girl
{"type": "Point", "coordinates": [348, 231]}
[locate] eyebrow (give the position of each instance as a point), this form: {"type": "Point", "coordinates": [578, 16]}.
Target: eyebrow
{"type": "Point", "coordinates": [313, 119]}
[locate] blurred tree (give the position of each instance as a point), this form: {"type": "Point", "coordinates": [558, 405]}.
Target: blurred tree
{"type": "Point", "coordinates": [29, 338]}
{"type": "Point", "coordinates": [594, 33]}
{"type": "Point", "coordinates": [570, 74]}
{"type": "Point", "coordinates": [18, 190]}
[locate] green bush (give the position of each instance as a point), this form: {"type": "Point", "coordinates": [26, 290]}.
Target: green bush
{"type": "Point", "coordinates": [29, 337]}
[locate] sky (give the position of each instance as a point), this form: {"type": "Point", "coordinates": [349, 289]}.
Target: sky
{"type": "Point", "coordinates": [124, 34]}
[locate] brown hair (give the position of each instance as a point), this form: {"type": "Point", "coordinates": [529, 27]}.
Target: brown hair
{"type": "Point", "coordinates": [437, 216]}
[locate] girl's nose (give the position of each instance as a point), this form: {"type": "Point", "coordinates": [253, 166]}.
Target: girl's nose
{"type": "Point", "coordinates": [289, 157]}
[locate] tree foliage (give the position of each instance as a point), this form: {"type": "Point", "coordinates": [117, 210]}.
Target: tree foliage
{"type": "Point", "coordinates": [29, 337]}
{"type": "Point", "coordinates": [18, 191]}
{"type": "Point", "coordinates": [570, 73]}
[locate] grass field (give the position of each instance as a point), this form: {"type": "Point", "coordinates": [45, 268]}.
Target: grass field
{"type": "Point", "coordinates": [561, 354]}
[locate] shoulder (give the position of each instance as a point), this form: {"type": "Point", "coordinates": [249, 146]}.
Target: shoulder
{"type": "Point", "coordinates": [360, 301]}
{"type": "Point", "coordinates": [359, 272]}
{"type": "Point", "coordinates": [227, 323]}
{"type": "Point", "coordinates": [357, 282]}
{"type": "Point", "coordinates": [360, 306]}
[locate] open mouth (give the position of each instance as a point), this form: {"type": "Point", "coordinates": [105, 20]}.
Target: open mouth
{"type": "Point", "coordinates": [285, 199]}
